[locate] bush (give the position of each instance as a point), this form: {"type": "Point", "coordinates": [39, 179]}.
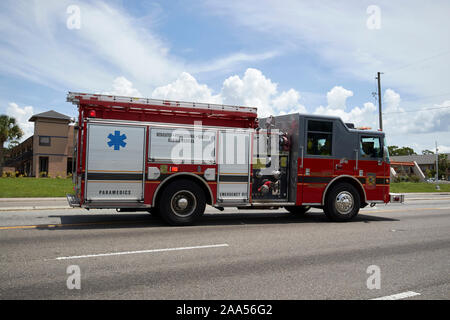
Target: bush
{"type": "Point", "coordinates": [8, 174]}
{"type": "Point", "coordinates": [405, 178]}
{"type": "Point", "coordinates": [402, 178]}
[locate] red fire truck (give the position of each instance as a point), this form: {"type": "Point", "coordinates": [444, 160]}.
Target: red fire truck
{"type": "Point", "coordinates": [172, 158]}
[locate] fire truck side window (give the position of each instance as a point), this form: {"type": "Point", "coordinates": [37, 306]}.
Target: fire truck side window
{"type": "Point", "coordinates": [319, 138]}
{"type": "Point", "coordinates": [370, 147]}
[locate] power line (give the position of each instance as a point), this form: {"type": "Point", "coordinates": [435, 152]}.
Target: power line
{"type": "Point", "coordinates": [426, 97]}
{"type": "Point", "coordinates": [417, 110]}
{"type": "Point", "coordinates": [419, 61]}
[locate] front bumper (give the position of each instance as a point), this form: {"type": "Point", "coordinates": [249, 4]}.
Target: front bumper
{"type": "Point", "coordinates": [396, 198]}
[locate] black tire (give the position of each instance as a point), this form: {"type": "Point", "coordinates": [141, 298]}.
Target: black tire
{"type": "Point", "coordinates": [181, 203]}
{"type": "Point", "coordinates": [342, 203]}
{"type": "Point", "coordinates": [298, 210]}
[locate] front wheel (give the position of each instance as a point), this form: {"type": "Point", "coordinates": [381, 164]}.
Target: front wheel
{"type": "Point", "coordinates": [182, 202]}
{"type": "Point", "coordinates": [342, 203]}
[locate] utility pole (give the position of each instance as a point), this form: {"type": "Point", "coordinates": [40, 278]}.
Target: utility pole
{"type": "Point", "coordinates": [437, 168]}
{"type": "Point", "coordinates": [379, 100]}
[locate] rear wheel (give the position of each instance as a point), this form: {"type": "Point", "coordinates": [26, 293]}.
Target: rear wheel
{"type": "Point", "coordinates": [182, 202]}
{"type": "Point", "coordinates": [298, 210]}
{"type": "Point", "coordinates": [342, 203]}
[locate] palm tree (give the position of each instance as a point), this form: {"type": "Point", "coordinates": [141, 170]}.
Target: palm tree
{"type": "Point", "coordinates": [9, 130]}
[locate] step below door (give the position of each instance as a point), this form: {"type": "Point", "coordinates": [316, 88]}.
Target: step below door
{"type": "Point", "coordinates": [115, 163]}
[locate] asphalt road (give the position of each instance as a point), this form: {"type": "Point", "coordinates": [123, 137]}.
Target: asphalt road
{"type": "Point", "coordinates": [228, 255]}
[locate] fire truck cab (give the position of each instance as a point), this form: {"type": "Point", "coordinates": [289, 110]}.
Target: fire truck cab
{"type": "Point", "coordinates": [173, 158]}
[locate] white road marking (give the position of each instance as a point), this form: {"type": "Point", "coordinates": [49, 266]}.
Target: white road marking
{"type": "Point", "coordinates": [142, 251]}
{"type": "Point", "coordinates": [399, 296]}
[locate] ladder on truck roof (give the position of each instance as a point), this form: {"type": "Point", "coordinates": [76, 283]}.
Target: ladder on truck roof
{"type": "Point", "coordinates": [146, 103]}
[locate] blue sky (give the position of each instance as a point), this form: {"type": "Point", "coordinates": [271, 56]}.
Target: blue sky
{"type": "Point", "coordinates": [308, 56]}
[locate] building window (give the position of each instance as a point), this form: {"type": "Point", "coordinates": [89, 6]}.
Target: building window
{"type": "Point", "coordinates": [43, 166]}
{"type": "Point", "coordinates": [69, 165]}
{"type": "Point", "coordinates": [320, 135]}
{"type": "Point", "coordinates": [44, 141]}
{"type": "Point", "coordinates": [371, 147]}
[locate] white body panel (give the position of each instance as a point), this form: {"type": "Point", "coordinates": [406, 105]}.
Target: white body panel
{"type": "Point", "coordinates": [234, 166]}
{"type": "Point", "coordinates": [182, 145]}
{"type": "Point", "coordinates": [115, 163]}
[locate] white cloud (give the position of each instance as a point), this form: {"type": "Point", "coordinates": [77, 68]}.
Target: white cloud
{"type": "Point", "coordinates": [392, 101]}
{"type": "Point", "coordinates": [252, 90]}
{"type": "Point", "coordinates": [361, 117]}
{"type": "Point", "coordinates": [186, 88]}
{"type": "Point", "coordinates": [337, 105]}
{"type": "Point", "coordinates": [398, 120]}
{"type": "Point", "coordinates": [288, 102]}
{"type": "Point", "coordinates": [226, 63]}
{"type": "Point", "coordinates": [22, 115]}
{"type": "Point", "coordinates": [337, 97]}
{"type": "Point", "coordinates": [123, 87]}
{"type": "Point", "coordinates": [443, 149]}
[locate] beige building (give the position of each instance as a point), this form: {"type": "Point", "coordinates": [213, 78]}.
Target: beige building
{"type": "Point", "coordinates": [426, 162]}
{"type": "Point", "coordinates": [49, 151]}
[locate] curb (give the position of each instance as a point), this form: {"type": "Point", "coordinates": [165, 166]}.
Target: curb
{"type": "Point", "coordinates": [34, 208]}
{"type": "Point", "coordinates": [31, 199]}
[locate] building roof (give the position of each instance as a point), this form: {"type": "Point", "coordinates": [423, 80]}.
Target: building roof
{"type": "Point", "coordinates": [402, 163]}
{"type": "Point", "coordinates": [52, 114]}
{"type": "Point", "coordinates": [419, 158]}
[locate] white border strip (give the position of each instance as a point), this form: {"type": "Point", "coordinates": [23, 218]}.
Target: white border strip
{"type": "Point", "coordinates": [399, 296]}
{"type": "Point", "coordinates": [142, 251]}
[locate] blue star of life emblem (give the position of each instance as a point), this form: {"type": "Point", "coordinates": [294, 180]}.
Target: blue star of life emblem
{"type": "Point", "coordinates": [117, 140]}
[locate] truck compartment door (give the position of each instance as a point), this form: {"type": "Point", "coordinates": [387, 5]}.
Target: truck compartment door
{"type": "Point", "coordinates": [115, 163]}
{"type": "Point", "coordinates": [234, 167]}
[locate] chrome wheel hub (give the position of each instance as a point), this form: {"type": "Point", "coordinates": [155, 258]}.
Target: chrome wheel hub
{"type": "Point", "coordinates": [183, 203]}
{"type": "Point", "coordinates": [344, 202]}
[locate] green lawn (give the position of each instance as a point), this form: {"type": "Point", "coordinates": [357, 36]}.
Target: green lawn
{"type": "Point", "coordinates": [49, 187]}
{"type": "Point", "coordinates": [409, 187]}
{"type": "Point", "coordinates": [34, 187]}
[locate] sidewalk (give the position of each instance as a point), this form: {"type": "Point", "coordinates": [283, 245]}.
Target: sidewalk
{"type": "Point", "coordinates": [427, 196]}
{"type": "Point", "coordinates": [15, 204]}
